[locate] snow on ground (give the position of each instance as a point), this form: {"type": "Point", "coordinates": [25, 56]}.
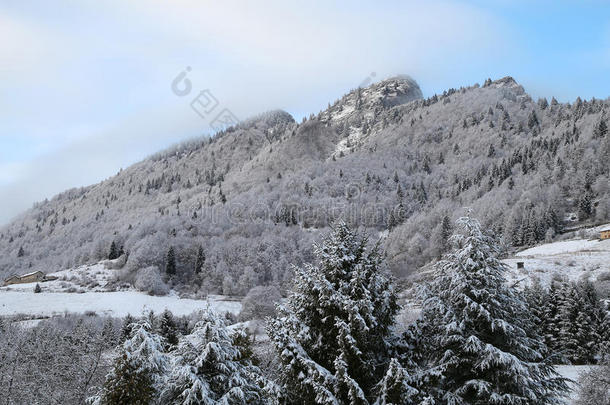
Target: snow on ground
{"type": "Point", "coordinates": [573, 373]}
{"type": "Point", "coordinates": [571, 259]}
{"type": "Point", "coordinates": [79, 279]}
{"type": "Point", "coordinates": [117, 304]}
{"type": "Point", "coordinates": [567, 246]}
{"type": "Point", "coordinates": [83, 289]}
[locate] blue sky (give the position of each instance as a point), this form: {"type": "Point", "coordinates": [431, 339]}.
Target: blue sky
{"type": "Point", "coordinates": [85, 86]}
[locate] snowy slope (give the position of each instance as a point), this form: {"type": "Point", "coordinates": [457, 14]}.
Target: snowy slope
{"type": "Point", "coordinates": [571, 259]}
{"type": "Point", "coordinates": [82, 289]}
{"type": "Point", "coordinates": [82, 279]}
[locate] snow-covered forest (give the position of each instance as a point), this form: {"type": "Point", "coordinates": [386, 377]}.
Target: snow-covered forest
{"type": "Point", "coordinates": [344, 237]}
{"type": "Point", "coordinates": [229, 213]}
{"type": "Point", "coordinates": [337, 338]}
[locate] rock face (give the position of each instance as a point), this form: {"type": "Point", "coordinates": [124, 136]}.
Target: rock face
{"type": "Point", "coordinates": [383, 158]}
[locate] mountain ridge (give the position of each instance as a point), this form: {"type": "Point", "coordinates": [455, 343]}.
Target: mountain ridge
{"type": "Point", "coordinates": [255, 195]}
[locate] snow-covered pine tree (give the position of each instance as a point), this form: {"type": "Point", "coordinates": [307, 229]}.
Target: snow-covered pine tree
{"type": "Point", "coordinates": [139, 372]}
{"type": "Point", "coordinates": [128, 383]}
{"type": "Point", "coordinates": [569, 309]}
{"type": "Point", "coordinates": [200, 259]}
{"type": "Point", "coordinates": [209, 369]}
{"type": "Point", "coordinates": [589, 323]}
{"type": "Point", "coordinates": [332, 334]}
{"type": "Point", "coordinates": [394, 388]}
{"type": "Point", "coordinates": [551, 317]}
{"type": "Point", "coordinates": [170, 262]}
{"type": "Point", "coordinates": [127, 327]}
{"type": "Point", "coordinates": [537, 301]}
{"type": "Point", "coordinates": [482, 347]}
{"type": "Point", "coordinates": [604, 346]}
{"type": "Point", "coordinates": [113, 253]}
{"type": "Point", "coordinates": [167, 328]}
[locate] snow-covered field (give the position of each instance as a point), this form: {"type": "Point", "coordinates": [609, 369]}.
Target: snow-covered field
{"type": "Point", "coordinates": [572, 259]}
{"type": "Point", "coordinates": [82, 289]}
{"type": "Point", "coordinates": [118, 303]}
{"type": "Point", "coordinates": [80, 279]}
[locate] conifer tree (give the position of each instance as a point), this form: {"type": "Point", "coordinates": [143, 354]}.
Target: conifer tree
{"type": "Point", "coordinates": [332, 334]}
{"type": "Point", "coordinates": [537, 301]}
{"type": "Point", "coordinates": [170, 262]}
{"type": "Point", "coordinates": [209, 369]}
{"type": "Point", "coordinates": [481, 347]}
{"type": "Point", "coordinates": [601, 129]}
{"type": "Point", "coordinates": [139, 371]}
{"type": "Point", "coordinates": [199, 262]}
{"type": "Point", "coordinates": [113, 253]}
{"type": "Point", "coordinates": [167, 328]}
{"type": "Point", "coordinates": [127, 328]}
{"type": "Point", "coordinates": [551, 317]}
{"type": "Point", "coordinates": [394, 388]}
{"type": "Point", "coordinates": [127, 384]}
{"type": "Point", "coordinates": [569, 310]}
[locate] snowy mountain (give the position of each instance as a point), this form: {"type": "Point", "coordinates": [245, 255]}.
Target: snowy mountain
{"type": "Point", "coordinates": [254, 197]}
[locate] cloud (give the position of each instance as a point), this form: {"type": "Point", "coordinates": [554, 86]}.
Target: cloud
{"type": "Point", "coordinates": [87, 84]}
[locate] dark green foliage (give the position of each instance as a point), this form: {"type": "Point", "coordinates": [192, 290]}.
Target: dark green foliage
{"type": "Point", "coordinates": [170, 262]}
{"type": "Point", "coordinates": [476, 341]}
{"type": "Point", "coordinates": [200, 261]}
{"type": "Point", "coordinates": [127, 328]}
{"type": "Point", "coordinates": [571, 318]}
{"type": "Point", "coordinates": [346, 307]}
{"type": "Point", "coordinates": [601, 129]}
{"type": "Point", "coordinates": [129, 384]}
{"type": "Point", "coordinates": [167, 328]}
{"type": "Point", "coordinates": [114, 252]}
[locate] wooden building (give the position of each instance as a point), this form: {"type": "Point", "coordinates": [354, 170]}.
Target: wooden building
{"type": "Point", "coordinates": [604, 233]}
{"type": "Point", "coordinates": [34, 277]}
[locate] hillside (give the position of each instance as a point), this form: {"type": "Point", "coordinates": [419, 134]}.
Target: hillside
{"type": "Point", "coordinates": [256, 196]}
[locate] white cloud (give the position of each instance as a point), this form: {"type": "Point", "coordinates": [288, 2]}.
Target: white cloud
{"type": "Point", "coordinates": [88, 82]}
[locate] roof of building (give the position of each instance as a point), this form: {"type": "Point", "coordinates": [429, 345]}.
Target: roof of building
{"type": "Point", "coordinates": [32, 273]}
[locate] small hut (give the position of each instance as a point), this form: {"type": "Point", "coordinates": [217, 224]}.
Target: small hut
{"type": "Point", "coordinates": [34, 277]}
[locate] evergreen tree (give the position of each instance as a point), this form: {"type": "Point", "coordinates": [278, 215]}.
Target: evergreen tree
{"type": "Point", "coordinates": [138, 374]}
{"type": "Point", "coordinates": [601, 129]}
{"type": "Point", "coordinates": [199, 262]}
{"type": "Point", "coordinates": [537, 302]}
{"type": "Point", "coordinates": [532, 120]}
{"type": "Point", "coordinates": [446, 231]}
{"type": "Point", "coordinates": [113, 253]}
{"type": "Point", "coordinates": [567, 316]}
{"type": "Point", "coordinates": [332, 334]}
{"type": "Point", "coordinates": [551, 317]}
{"type": "Point", "coordinates": [481, 347]}
{"type": "Point", "coordinates": [127, 384]}
{"type": "Point", "coordinates": [21, 252]}
{"type": "Point", "coordinates": [589, 323]}
{"type": "Point", "coordinates": [604, 346]}
{"type": "Point", "coordinates": [127, 328]}
{"type": "Point", "coordinates": [394, 388]}
{"type": "Point", "coordinates": [209, 369]}
{"type": "Point", "coordinates": [170, 262]}
{"type": "Point", "coordinates": [167, 328]}
{"type": "Point", "coordinates": [585, 205]}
